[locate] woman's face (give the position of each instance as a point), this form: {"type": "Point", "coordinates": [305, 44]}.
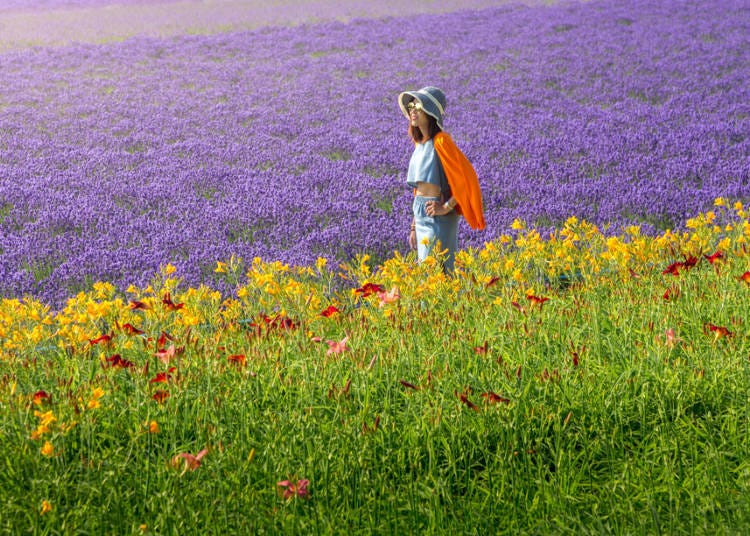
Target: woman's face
{"type": "Point", "coordinates": [417, 116]}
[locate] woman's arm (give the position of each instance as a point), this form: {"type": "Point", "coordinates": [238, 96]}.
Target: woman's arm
{"type": "Point", "coordinates": [435, 208]}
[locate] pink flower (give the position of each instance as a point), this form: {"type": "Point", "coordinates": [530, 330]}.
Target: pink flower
{"type": "Point", "coordinates": [389, 297]}
{"type": "Point", "coordinates": [672, 338]}
{"type": "Point", "coordinates": [337, 347]}
{"type": "Point", "coordinates": [166, 355]}
{"type": "Point", "coordinates": [192, 462]}
{"type": "Point", "coordinates": [291, 489]}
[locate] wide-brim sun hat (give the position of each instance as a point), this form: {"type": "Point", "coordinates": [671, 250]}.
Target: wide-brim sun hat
{"type": "Point", "coordinates": [432, 100]}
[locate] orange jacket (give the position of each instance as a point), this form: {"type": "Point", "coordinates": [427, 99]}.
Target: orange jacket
{"type": "Point", "coordinates": [462, 179]}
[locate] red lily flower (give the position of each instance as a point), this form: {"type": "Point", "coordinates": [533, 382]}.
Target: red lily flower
{"type": "Point", "coordinates": [131, 330]}
{"type": "Point", "coordinates": [465, 399]}
{"type": "Point", "coordinates": [40, 397]}
{"type": "Point", "coordinates": [160, 396]}
{"type": "Point", "coordinates": [369, 288]}
{"type": "Point", "coordinates": [719, 331]}
{"type": "Point", "coordinates": [278, 321]}
{"type": "Point", "coordinates": [330, 311]}
{"type": "Point", "coordinates": [717, 255]}
{"type": "Point", "coordinates": [163, 338]}
{"type": "Point", "coordinates": [102, 339]}
{"type": "Point", "coordinates": [117, 361]}
{"type": "Point", "coordinates": [671, 293]}
{"type": "Point", "coordinates": [408, 385]}
{"type": "Point", "coordinates": [673, 268]}
{"type": "Point", "coordinates": [494, 398]}
{"type": "Point", "coordinates": [163, 377]}
{"type": "Point", "coordinates": [138, 305]}
{"type": "Point", "coordinates": [539, 300]}
{"type": "Point", "coordinates": [167, 301]}
{"type": "Point", "coordinates": [690, 262]}
{"type": "Point", "coordinates": [482, 350]}
{"type": "Point", "coordinates": [745, 277]}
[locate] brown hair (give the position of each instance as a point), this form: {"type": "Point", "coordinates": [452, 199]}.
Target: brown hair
{"type": "Point", "coordinates": [432, 128]}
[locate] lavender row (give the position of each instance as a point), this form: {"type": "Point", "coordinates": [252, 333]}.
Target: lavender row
{"type": "Point", "coordinates": [286, 143]}
{"type": "Point", "coordinates": [38, 5]}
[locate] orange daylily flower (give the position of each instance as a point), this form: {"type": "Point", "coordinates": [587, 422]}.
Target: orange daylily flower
{"type": "Point", "coordinates": [40, 397]}
{"type": "Point", "coordinates": [237, 359]}
{"type": "Point", "coordinates": [46, 507]}
{"type": "Point", "coordinates": [48, 449]}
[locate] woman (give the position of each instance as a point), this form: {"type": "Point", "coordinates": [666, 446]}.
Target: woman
{"type": "Point", "coordinates": [444, 181]}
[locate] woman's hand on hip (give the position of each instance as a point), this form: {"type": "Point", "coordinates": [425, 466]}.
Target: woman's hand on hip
{"type": "Point", "coordinates": [436, 208]}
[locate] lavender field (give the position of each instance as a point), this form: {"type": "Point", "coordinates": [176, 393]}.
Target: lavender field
{"type": "Point", "coordinates": [286, 143]}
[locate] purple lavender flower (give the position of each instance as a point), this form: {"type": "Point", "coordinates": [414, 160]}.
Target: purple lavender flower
{"type": "Point", "coordinates": [286, 142]}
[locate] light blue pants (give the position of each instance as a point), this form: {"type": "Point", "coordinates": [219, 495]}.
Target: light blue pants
{"type": "Point", "coordinates": [434, 229]}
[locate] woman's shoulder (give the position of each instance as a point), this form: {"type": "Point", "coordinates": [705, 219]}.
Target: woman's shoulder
{"type": "Point", "coordinates": [442, 138]}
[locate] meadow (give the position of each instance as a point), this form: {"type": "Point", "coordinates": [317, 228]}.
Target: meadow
{"type": "Point", "coordinates": [582, 384]}
{"type": "Point", "coordinates": [210, 322]}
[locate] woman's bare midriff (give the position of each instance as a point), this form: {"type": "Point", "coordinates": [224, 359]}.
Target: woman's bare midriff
{"type": "Point", "coordinates": [426, 189]}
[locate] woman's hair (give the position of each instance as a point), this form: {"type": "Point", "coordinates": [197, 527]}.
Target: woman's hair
{"type": "Point", "coordinates": [432, 129]}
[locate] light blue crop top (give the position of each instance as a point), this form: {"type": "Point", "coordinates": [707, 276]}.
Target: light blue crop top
{"type": "Point", "coordinates": [425, 166]}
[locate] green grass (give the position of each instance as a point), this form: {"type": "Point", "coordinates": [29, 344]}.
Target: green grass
{"type": "Point", "coordinates": [620, 411]}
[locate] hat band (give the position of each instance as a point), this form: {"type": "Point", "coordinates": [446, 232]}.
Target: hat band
{"type": "Point", "coordinates": [434, 101]}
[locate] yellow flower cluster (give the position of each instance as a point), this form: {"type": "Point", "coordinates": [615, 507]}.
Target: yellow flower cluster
{"type": "Point", "coordinates": [114, 329]}
{"type": "Point", "coordinates": [525, 261]}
